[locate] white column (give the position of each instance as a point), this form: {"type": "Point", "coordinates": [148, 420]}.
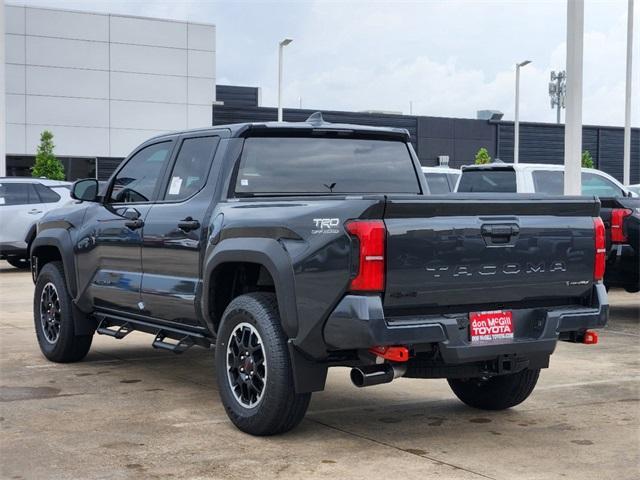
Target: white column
{"type": "Point", "coordinates": [3, 112]}
{"type": "Point", "coordinates": [573, 115]}
{"type": "Point", "coordinates": [516, 123]}
{"type": "Point", "coordinates": [280, 48]}
{"type": "Point", "coordinates": [627, 100]}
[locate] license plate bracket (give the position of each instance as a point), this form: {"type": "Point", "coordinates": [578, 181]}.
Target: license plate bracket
{"type": "Point", "coordinates": [495, 325]}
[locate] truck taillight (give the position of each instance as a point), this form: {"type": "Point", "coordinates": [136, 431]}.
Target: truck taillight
{"type": "Point", "coordinates": [617, 220]}
{"type": "Point", "coordinates": [371, 238]}
{"type": "Point", "coordinates": [601, 249]}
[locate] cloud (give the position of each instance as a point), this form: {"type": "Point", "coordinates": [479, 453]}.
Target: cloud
{"type": "Point", "coordinates": [449, 58]}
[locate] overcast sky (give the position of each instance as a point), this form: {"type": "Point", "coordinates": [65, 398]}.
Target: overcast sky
{"type": "Point", "coordinates": [450, 58]}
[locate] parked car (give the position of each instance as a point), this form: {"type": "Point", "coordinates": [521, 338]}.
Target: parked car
{"type": "Point", "coordinates": [620, 210]}
{"type": "Point", "coordinates": [23, 201]}
{"type": "Point", "coordinates": [441, 179]}
{"type": "Point", "coordinates": [295, 247]}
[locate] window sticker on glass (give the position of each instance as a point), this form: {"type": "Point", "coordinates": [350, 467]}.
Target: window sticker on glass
{"type": "Point", "coordinates": [244, 182]}
{"type": "Point", "coordinates": [174, 188]}
{"type": "Point", "coordinates": [1, 200]}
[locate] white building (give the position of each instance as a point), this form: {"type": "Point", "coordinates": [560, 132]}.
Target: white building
{"type": "Point", "coordinates": [101, 83]}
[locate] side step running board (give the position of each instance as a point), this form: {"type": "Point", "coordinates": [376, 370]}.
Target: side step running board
{"type": "Point", "coordinates": [120, 332]}
{"type": "Point", "coordinates": [180, 346]}
{"type": "Point", "coordinates": [166, 338]}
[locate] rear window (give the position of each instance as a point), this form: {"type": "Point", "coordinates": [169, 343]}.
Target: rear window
{"type": "Point", "coordinates": [438, 183]}
{"type": "Point", "coordinates": [494, 181]}
{"type": "Point", "coordinates": [273, 165]}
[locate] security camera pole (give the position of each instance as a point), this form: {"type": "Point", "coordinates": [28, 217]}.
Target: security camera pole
{"type": "Point", "coordinates": [516, 125]}
{"type": "Point", "coordinates": [626, 163]}
{"type": "Point", "coordinates": [281, 46]}
{"type": "Point", "coordinates": [573, 115]}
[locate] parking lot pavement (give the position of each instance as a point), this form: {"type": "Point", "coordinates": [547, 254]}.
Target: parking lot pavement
{"type": "Point", "coordinates": [129, 411]}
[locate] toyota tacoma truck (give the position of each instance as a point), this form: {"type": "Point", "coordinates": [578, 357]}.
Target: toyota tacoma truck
{"type": "Point", "coordinates": [290, 248]}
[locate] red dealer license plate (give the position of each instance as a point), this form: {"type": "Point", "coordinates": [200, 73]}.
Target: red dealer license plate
{"type": "Point", "coordinates": [495, 325]}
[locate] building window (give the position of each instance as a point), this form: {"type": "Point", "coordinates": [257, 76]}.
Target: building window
{"type": "Point", "coordinates": [74, 167]}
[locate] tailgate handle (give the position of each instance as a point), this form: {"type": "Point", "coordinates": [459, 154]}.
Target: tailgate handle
{"type": "Point", "coordinates": [500, 233]}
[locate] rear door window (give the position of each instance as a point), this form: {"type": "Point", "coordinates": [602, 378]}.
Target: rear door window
{"type": "Point", "coordinates": [495, 181]}
{"type": "Point", "coordinates": [18, 193]}
{"type": "Point", "coordinates": [191, 168]}
{"type": "Point", "coordinates": [300, 165]}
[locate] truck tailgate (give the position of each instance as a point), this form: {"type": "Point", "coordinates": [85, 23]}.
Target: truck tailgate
{"type": "Point", "coordinates": [470, 250]}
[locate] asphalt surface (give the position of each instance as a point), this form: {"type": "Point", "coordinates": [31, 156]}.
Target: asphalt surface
{"type": "Point", "coordinates": [128, 411]}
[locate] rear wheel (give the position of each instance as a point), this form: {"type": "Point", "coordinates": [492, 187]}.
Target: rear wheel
{"type": "Point", "coordinates": [19, 262]}
{"type": "Point", "coordinates": [253, 368]}
{"type": "Point", "coordinates": [496, 393]}
{"type": "Point", "coordinates": [53, 317]}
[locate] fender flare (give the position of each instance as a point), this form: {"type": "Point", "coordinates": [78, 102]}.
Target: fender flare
{"type": "Point", "coordinates": [59, 238]}
{"type": "Point", "coordinates": [267, 252]}
{"type": "Point", "coordinates": [31, 234]}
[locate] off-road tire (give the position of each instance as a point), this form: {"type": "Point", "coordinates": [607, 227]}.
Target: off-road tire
{"type": "Point", "coordinates": [67, 347]}
{"type": "Point", "coordinates": [496, 393]}
{"type": "Point", "coordinates": [280, 409]}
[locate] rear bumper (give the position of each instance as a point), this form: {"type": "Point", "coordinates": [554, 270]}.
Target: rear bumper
{"type": "Point", "coordinates": [358, 322]}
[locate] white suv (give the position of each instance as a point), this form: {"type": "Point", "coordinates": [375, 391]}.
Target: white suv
{"type": "Point", "coordinates": [23, 202]}
{"type": "Point", "coordinates": [536, 178]}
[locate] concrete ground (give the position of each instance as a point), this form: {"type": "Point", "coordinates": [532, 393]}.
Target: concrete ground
{"type": "Point", "coordinates": [129, 411]}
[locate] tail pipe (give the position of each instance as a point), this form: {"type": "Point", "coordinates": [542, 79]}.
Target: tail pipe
{"type": "Point", "coordinates": [369, 375]}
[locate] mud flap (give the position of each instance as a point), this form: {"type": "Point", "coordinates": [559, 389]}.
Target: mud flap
{"type": "Point", "coordinates": [308, 376]}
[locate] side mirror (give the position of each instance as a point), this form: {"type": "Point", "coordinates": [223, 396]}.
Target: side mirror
{"type": "Point", "coordinates": [85, 190]}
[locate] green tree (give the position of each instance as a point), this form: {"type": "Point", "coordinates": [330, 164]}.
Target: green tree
{"type": "Point", "coordinates": [47, 165]}
{"type": "Point", "coordinates": [587, 159]}
{"type": "Point", "coordinates": [483, 157]}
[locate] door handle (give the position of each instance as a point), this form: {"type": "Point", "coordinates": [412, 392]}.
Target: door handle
{"type": "Point", "coordinates": [34, 212]}
{"type": "Point", "coordinates": [134, 224]}
{"type": "Point", "coordinates": [500, 234]}
{"type": "Point", "coordinates": [188, 224]}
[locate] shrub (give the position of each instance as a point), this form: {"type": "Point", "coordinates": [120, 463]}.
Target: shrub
{"type": "Point", "coordinates": [47, 165]}
{"type": "Point", "coordinates": [483, 157]}
{"type": "Point", "coordinates": [587, 159]}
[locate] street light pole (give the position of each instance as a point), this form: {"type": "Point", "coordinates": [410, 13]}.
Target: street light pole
{"type": "Point", "coordinates": [573, 115]}
{"type": "Point", "coordinates": [626, 163]}
{"type": "Point", "coordinates": [281, 46]}
{"type": "Point", "coordinates": [516, 125]}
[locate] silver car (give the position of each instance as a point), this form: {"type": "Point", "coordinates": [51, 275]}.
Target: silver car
{"type": "Point", "coordinates": [23, 201]}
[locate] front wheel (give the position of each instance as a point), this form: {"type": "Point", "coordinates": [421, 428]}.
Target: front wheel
{"type": "Point", "coordinates": [496, 393]}
{"type": "Point", "coordinates": [53, 318]}
{"type": "Point", "coordinates": [253, 368]}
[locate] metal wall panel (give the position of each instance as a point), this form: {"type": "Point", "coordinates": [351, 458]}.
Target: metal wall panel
{"type": "Point", "coordinates": [237, 96]}
{"type": "Point", "coordinates": [544, 143]}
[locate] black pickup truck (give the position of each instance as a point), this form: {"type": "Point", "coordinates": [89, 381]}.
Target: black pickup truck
{"type": "Point", "coordinates": [294, 247]}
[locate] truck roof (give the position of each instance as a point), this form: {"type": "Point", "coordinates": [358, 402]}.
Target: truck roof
{"type": "Point", "coordinates": [519, 166]}
{"type": "Point", "coordinates": [315, 123]}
